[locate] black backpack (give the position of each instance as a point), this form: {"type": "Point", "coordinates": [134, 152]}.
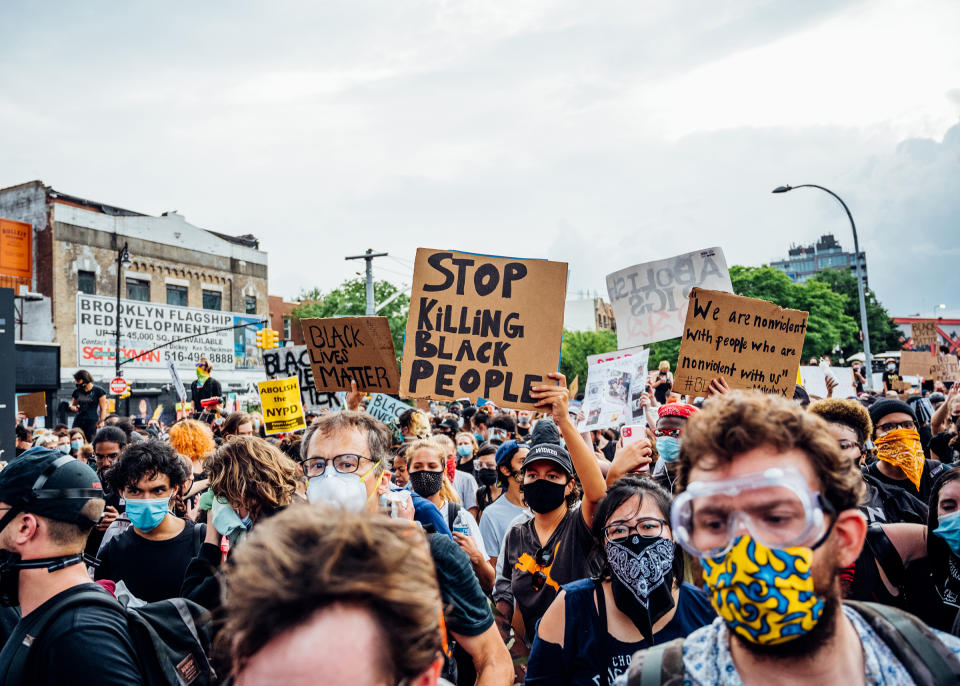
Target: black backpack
{"type": "Point", "coordinates": [171, 638]}
{"type": "Point", "coordinates": [928, 661]}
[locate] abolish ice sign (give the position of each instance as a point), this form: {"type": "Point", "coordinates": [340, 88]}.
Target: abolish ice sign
{"type": "Point", "coordinates": [482, 327]}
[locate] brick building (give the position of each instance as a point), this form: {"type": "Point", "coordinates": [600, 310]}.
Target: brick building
{"type": "Point", "coordinates": [180, 280]}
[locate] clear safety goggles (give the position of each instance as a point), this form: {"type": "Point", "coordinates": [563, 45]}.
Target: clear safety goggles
{"type": "Point", "coordinates": [776, 507]}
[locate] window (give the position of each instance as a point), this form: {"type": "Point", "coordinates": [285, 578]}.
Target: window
{"type": "Point", "coordinates": [138, 289]}
{"type": "Point", "coordinates": [286, 329]}
{"type": "Point", "coordinates": [212, 300]}
{"type": "Point", "coordinates": [176, 295]}
{"type": "Point", "coordinates": [87, 282]}
{"type": "Point", "coordinates": [250, 304]}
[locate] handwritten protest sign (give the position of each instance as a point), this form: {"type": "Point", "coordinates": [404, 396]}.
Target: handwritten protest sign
{"type": "Point", "coordinates": [282, 408]}
{"type": "Point", "coordinates": [351, 348]}
{"type": "Point", "coordinates": [385, 408]}
{"type": "Point", "coordinates": [482, 326]}
{"type": "Point", "coordinates": [946, 369]}
{"type": "Point", "coordinates": [916, 363]}
{"type": "Point", "coordinates": [615, 383]}
{"type": "Point", "coordinates": [924, 334]}
{"type": "Point", "coordinates": [33, 404]}
{"type": "Point", "coordinates": [294, 360]}
{"type": "Point", "coordinates": [650, 300]}
{"type": "Point", "coordinates": [753, 344]}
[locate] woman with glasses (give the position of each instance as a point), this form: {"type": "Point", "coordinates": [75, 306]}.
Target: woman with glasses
{"type": "Point", "coordinates": [425, 465]}
{"type": "Point", "coordinates": [638, 599]}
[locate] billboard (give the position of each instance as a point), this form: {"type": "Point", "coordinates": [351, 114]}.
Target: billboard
{"type": "Point", "coordinates": [146, 325]}
{"type": "Point", "coordinates": [16, 249]}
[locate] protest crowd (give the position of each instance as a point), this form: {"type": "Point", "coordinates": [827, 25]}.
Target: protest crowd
{"type": "Point", "coordinates": [503, 528]}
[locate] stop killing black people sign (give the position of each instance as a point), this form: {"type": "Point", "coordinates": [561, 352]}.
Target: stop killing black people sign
{"type": "Point", "coordinates": [345, 349]}
{"type": "Point", "coordinates": [482, 327]}
{"type": "Point", "coordinates": [751, 343]}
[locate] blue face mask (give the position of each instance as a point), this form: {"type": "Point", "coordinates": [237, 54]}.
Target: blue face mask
{"type": "Point", "coordinates": [64, 448]}
{"type": "Point", "coordinates": [464, 450]}
{"type": "Point", "coordinates": [147, 513]}
{"type": "Point", "coordinates": [949, 531]}
{"type": "Point", "coordinates": [669, 448]}
{"type": "Point", "coordinates": [76, 445]}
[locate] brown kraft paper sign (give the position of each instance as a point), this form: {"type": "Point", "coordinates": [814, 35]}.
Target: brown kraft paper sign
{"type": "Point", "coordinates": [342, 349]}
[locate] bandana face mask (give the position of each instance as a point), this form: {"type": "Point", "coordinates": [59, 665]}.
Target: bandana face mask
{"type": "Point", "coordinates": [202, 376]}
{"type": "Point", "coordinates": [765, 595]}
{"type": "Point", "coordinates": [642, 579]}
{"type": "Point", "coordinates": [902, 448]}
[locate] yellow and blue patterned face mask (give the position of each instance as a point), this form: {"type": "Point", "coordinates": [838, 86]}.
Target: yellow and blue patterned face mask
{"type": "Point", "coordinates": [765, 595]}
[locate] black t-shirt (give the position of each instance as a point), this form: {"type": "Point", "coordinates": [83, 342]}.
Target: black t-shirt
{"type": "Point", "coordinates": [890, 378]}
{"type": "Point", "coordinates": [151, 570]}
{"type": "Point", "coordinates": [210, 389]}
{"type": "Point", "coordinates": [88, 405]}
{"type": "Point", "coordinates": [84, 645]}
{"type": "Point", "coordinates": [663, 390]}
{"type": "Point", "coordinates": [931, 470]}
{"type": "Point", "coordinates": [569, 544]}
{"type": "Point", "coordinates": [466, 610]}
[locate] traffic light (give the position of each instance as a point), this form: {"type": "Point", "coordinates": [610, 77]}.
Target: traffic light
{"type": "Point", "coordinates": [267, 339]}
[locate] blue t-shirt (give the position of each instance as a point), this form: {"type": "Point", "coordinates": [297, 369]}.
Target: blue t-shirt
{"type": "Point", "coordinates": [427, 514]}
{"type": "Point", "coordinates": [580, 661]}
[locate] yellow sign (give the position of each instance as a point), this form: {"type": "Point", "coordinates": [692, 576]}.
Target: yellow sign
{"type": "Point", "coordinates": [281, 404]}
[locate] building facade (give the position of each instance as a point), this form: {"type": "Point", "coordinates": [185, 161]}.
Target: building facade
{"type": "Point", "coordinates": [179, 280]}
{"type": "Point", "coordinates": [282, 321]}
{"type": "Point", "coordinates": [803, 261]}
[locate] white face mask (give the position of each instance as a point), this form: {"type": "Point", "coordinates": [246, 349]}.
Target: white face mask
{"type": "Point", "coordinates": [343, 490]}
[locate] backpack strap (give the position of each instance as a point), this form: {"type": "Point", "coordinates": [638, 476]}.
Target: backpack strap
{"type": "Point", "coordinates": [18, 661]}
{"type": "Point", "coordinates": [923, 655]}
{"type": "Point", "coordinates": [199, 535]}
{"type": "Point", "coordinates": [658, 665]}
{"type": "Point", "coordinates": [604, 632]}
{"type": "Point", "coordinates": [887, 556]}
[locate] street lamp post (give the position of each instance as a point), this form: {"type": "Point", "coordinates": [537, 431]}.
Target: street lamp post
{"type": "Point", "coordinates": [867, 357]}
{"type": "Point", "coordinates": [123, 257]}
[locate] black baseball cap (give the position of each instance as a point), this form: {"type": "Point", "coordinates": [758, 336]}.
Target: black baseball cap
{"type": "Point", "coordinates": [552, 453]}
{"type": "Point", "coordinates": [449, 426]}
{"type": "Point", "coordinates": [50, 484]}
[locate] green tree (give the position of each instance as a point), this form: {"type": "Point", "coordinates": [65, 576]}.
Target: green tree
{"type": "Point", "coordinates": [668, 350]}
{"type": "Point", "coordinates": [829, 327]}
{"type": "Point", "coordinates": [350, 298]}
{"type": "Point", "coordinates": [884, 333]}
{"type": "Point", "coordinates": [577, 345]}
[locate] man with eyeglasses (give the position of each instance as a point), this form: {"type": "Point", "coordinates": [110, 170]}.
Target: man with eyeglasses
{"type": "Point", "coordinates": [344, 456]}
{"type": "Point", "coordinates": [671, 419]}
{"type": "Point", "coordinates": [769, 506]}
{"type": "Point", "coordinates": [108, 443]}
{"type": "Point", "coordinates": [900, 461]}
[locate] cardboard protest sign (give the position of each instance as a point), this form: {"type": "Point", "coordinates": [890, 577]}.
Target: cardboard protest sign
{"type": "Point", "coordinates": [385, 408]}
{"type": "Point", "coordinates": [294, 360]}
{"type": "Point", "coordinates": [650, 300]}
{"type": "Point", "coordinates": [574, 387]}
{"type": "Point", "coordinates": [946, 369]}
{"type": "Point", "coordinates": [351, 348]}
{"type": "Point", "coordinates": [753, 344]}
{"type": "Point", "coordinates": [280, 402]}
{"type": "Point", "coordinates": [482, 327]}
{"type": "Point", "coordinates": [615, 383]}
{"type": "Point", "coordinates": [177, 383]}
{"type": "Point", "coordinates": [33, 404]}
{"type": "Point", "coordinates": [916, 363]}
{"type": "Point", "coordinates": [924, 334]}
{"type": "Point", "coordinates": [814, 381]}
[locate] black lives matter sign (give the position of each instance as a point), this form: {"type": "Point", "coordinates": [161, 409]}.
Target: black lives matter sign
{"type": "Point", "coordinates": [482, 327]}
{"type": "Point", "coordinates": [345, 349]}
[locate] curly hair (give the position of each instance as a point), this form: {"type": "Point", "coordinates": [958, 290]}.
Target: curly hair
{"type": "Point", "coordinates": [147, 459]}
{"type": "Point", "coordinates": [740, 422]}
{"type": "Point", "coordinates": [850, 413]}
{"type": "Point", "coordinates": [192, 439]}
{"type": "Point", "coordinates": [326, 557]}
{"type": "Point", "coordinates": [250, 472]}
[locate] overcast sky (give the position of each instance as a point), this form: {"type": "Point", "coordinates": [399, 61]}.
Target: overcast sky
{"type": "Point", "coordinates": [598, 133]}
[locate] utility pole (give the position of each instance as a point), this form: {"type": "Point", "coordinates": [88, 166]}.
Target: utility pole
{"type": "Point", "coordinates": [123, 257]}
{"type": "Point", "coordinates": [368, 256]}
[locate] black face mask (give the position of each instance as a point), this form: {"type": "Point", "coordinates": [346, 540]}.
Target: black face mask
{"type": "Point", "coordinates": [486, 476]}
{"type": "Point", "coordinates": [11, 564]}
{"type": "Point", "coordinates": [642, 579]}
{"type": "Point", "coordinates": [426, 484]}
{"type": "Point", "coordinates": [543, 495]}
